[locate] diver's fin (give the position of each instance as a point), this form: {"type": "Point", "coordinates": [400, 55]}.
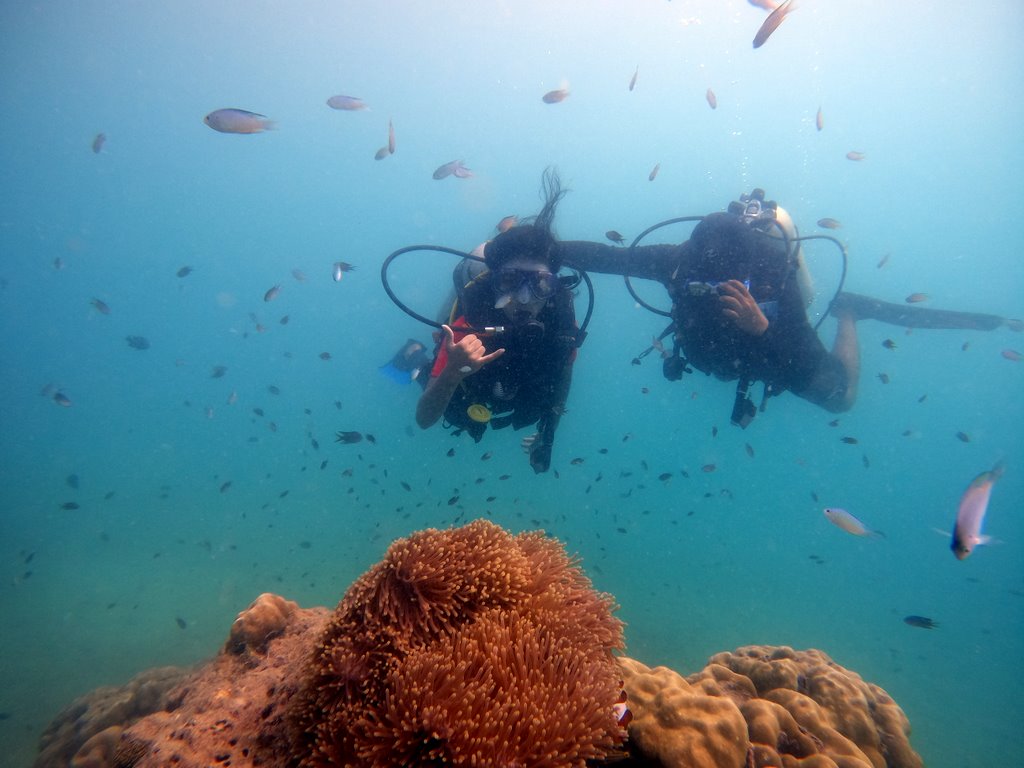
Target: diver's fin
{"type": "Point", "coordinates": [868, 308]}
{"type": "Point", "coordinates": [396, 374]}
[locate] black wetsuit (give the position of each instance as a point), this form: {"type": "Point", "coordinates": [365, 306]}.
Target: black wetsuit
{"type": "Point", "coordinates": [788, 355]}
{"type": "Point", "coordinates": [530, 382]}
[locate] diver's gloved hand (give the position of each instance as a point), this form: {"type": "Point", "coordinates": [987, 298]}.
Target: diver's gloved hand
{"type": "Point", "coordinates": [538, 451]}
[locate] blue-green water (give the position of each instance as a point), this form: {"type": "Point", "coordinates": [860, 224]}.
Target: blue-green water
{"type": "Point", "coordinates": [930, 93]}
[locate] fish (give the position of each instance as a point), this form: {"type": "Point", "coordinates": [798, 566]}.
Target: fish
{"type": "Point", "coordinates": [1012, 355]}
{"type": "Point", "coordinates": [450, 453]}
{"type": "Point", "coordinates": [963, 437]}
{"type": "Point", "coordinates": [828, 223]}
{"type": "Point", "coordinates": [971, 513]}
{"type": "Point", "coordinates": [889, 344]}
{"type": "Point", "coordinates": [70, 505]}
{"type": "Point", "coordinates": [632, 80]}
{"type": "Point", "coordinates": [346, 103]}
{"type": "Point", "coordinates": [180, 622]}
{"type": "Point", "coordinates": [391, 137]}
{"type": "Point", "coordinates": [764, 5]}
{"type": "Point", "coordinates": [225, 486]}
{"type": "Point", "coordinates": [100, 306]}
{"type": "Point", "coordinates": [274, 390]}
{"type": "Point", "coordinates": [325, 355]}
{"type": "Point", "coordinates": [555, 96]}
{"type": "Point", "coordinates": [284, 320]}
{"type": "Point", "coordinates": [137, 342]}
{"type": "Point", "coordinates": [711, 98]}
{"type": "Point", "coordinates": [454, 168]}
{"type": "Point", "coordinates": [915, 298]}
{"type": "Point", "coordinates": [849, 440]}
{"type": "Point", "coordinates": [615, 237]}
{"type": "Point", "coordinates": [339, 269]}
{"type": "Point", "coordinates": [708, 468]}
{"type": "Point", "coordinates": [381, 153]}
{"type": "Point", "coordinates": [238, 121]}
{"type": "Point", "coordinates": [61, 399]}
{"type": "Point", "coordinates": [884, 378]}
{"type": "Point", "coordinates": [665, 476]}
{"type": "Point", "coordinates": [855, 155]}
{"type": "Point", "coordinates": [577, 461]}
{"type": "Point", "coordinates": [272, 293]}
{"type": "Point", "coordinates": [184, 271]}
{"type": "Point", "coordinates": [819, 121]}
{"type": "Point", "coordinates": [218, 371]}
{"type": "Point", "coordinates": [98, 142]}
{"type": "Point", "coordinates": [654, 172]}
{"type": "Point", "coordinates": [348, 437]}
{"type": "Point", "coordinates": [775, 18]}
{"type": "Point", "coordinates": [921, 622]}
{"type": "Point", "coordinates": [847, 522]}
{"type": "Point", "coordinates": [72, 481]}
{"type": "Point", "coordinates": [882, 262]}
{"type": "Point", "coordinates": [749, 449]}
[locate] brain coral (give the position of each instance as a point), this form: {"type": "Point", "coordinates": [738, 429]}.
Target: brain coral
{"type": "Point", "coordinates": [802, 710]}
{"type": "Point", "coordinates": [465, 647]}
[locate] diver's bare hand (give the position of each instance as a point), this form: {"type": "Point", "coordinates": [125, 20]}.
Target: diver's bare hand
{"type": "Point", "coordinates": [739, 306]}
{"type": "Point", "coordinates": [468, 355]}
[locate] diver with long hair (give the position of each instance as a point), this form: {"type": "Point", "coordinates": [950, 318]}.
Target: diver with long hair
{"type": "Point", "coordinates": [521, 375]}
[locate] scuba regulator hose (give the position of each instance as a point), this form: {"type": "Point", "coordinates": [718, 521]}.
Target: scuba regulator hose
{"type": "Point", "coordinates": [570, 283]}
{"type": "Point", "coordinates": [788, 241]}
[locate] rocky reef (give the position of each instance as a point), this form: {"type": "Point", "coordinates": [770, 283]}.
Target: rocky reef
{"type": "Point", "coordinates": [475, 647]}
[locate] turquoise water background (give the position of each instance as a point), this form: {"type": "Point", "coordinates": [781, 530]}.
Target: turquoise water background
{"type": "Point", "coordinates": [931, 93]}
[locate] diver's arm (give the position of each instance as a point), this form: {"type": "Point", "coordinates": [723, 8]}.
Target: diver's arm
{"type": "Point", "coordinates": [654, 262]}
{"type": "Point", "coordinates": [436, 396]}
{"type": "Point", "coordinates": [463, 358]}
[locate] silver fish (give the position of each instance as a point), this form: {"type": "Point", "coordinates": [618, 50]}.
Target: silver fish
{"type": "Point", "coordinates": [843, 519]}
{"type": "Point", "coordinates": [237, 121]}
{"type": "Point", "coordinates": [454, 168]}
{"type": "Point", "coordinates": [346, 103]}
{"type": "Point", "coordinates": [775, 18]}
{"type": "Point", "coordinates": [971, 514]}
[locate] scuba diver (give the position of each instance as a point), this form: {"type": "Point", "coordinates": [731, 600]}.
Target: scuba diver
{"type": "Point", "coordinates": [506, 354]}
{"type": "Point", "coordinates": [740, 291]}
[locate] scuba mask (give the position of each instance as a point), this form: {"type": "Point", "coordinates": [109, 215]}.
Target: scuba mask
{"type": "Point", "coordinates": [509, 285]}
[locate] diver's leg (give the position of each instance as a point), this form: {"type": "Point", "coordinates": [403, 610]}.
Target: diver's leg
{"type": "Point", "coordinates": [847, 351]}
{"type": "Point", "coordinates": [868, 308]}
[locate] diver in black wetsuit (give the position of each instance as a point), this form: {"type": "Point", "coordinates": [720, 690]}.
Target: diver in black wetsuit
{"type": "Point", "coordinates": [522, 375]}
{"type": "Point", "coordinates": [739, 295]}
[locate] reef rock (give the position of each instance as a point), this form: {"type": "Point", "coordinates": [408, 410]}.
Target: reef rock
{"type": "Point", "coordinates": [475, 647]}
{"type": "Point", "coordinates": [796, 709]}
{"type": "Point", "coordinates": [102, 710]}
